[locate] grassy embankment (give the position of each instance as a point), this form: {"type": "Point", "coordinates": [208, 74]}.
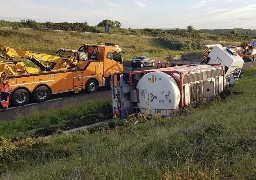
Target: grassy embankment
{"type": "Point", "coordinates": [132, 45]}
{"type": "Point", "coordinates": [214, 141]}
{"type": "Point", "coordinates": [50, 42]}
{"type": "Point", "coordinates": [50, 122]}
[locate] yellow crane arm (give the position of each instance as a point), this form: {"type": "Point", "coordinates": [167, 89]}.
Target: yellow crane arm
{"type": "Point", "coordinates": [44, 61]}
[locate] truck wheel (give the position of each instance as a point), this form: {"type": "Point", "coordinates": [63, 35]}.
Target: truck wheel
{"type": "Point", "coordinates": [91, 86]}
{"type": "Point", "coordinates": [20, 97]}
{"type": "Point", "coordinates": [109, 87]}
{"type": "Point", "coordinates": [42, 93]}
{"type": "Point", "coordinates": [254, 57]}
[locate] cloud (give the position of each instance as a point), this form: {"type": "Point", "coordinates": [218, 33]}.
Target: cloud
{"type": "Point", "coordinates": [220, 14]}
{"type": "Point", "coordinates": [139, 4]}
{"type": "Point", "coordinates": [200, 4]}
{"type": "Point", "coordinates": [87, 1]}
{"type": "Point", "coordinates": [232, 13]}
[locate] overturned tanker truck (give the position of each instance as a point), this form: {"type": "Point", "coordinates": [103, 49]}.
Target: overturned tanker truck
{"type": "Point", "coordinates": [166, 91]}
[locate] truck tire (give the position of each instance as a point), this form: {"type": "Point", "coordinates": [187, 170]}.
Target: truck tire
{"type": "Point", "coordinates": [254, 57]}
{"type": "Point", "coordinates": [109, 87]}
{"type": "Point", "coordinates": [42, 93]}
{"type": "Point", "coordinates": [20, 97]}
{"type": "Point", "coordinates": [91, 86]}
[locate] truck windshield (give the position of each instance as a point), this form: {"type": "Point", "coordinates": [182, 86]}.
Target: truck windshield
{"type": "Point", "coordinates": [116, 56]}
{"type": "Point", "coordinates": [231, 52]}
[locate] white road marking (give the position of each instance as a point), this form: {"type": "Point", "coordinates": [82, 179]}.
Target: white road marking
{"type": "Point", "coordinates": [31, 104]}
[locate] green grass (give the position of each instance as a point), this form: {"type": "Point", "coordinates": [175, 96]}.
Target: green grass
{"type": "Point", "coordinates": [50, 42]}
{"type": "Point", "coordinates": [214, 141]}
{"type": "Point", "coordinates": [133, 45]}
{"type": "Point", "coordinates": [47, 123]}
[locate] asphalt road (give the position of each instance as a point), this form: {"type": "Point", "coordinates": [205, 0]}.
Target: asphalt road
{"type": "Point", "coordinates": [56, 102]}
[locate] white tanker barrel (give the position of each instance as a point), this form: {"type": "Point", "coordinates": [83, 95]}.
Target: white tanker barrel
{"type": "Point", "coordinates": [158, 93]}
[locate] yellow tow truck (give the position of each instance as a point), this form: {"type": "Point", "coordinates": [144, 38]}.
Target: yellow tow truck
{"type": "Point", "coordinates": [69, 70]}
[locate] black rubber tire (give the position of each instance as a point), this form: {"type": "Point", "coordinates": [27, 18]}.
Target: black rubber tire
{"type": "Point", "coordinates": [254, 58]}
{"type": "Point", "coordinates": [109, 83]}
{"type": "Point", "coordinates": [20, 97]}
{"type": "Point", "coordinates": [42, 94]}
{"type": "Point", "coordinates": [92, 86]}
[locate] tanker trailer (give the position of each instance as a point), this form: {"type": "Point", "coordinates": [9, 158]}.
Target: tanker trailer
{"type": "Point", "coordinates": [166, 91]}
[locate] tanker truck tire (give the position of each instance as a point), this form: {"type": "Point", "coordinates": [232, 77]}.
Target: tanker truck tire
{"type": "Point", "coordinates": [254, 58]}
{"type": "Point", "coordinates": [20, 97]}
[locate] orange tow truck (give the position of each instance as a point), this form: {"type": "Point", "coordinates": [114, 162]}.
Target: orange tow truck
{"type": "Point", "coordinates": [84, 69]}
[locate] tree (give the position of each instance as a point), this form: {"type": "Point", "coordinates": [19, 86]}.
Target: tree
{"type": "Point", "coordinates": [235, 32]}
{"type": "Point", "coordinates": [190, 28]}
{"type": "Point", "coordinates": [117, 24]}
{"type": "Point", "coordinates": [110, 23]}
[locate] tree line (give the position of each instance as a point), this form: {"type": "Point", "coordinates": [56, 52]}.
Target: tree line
{"type": "Point", "coordinates": [65, 26]}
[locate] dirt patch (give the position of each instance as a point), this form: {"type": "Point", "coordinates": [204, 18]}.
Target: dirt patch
{"type": "Point", "coordinates": [193, 58]}
{"type": "Point", "coordinates": [184, 57]}
{"type": "Point", "coordinates": [189, 57]}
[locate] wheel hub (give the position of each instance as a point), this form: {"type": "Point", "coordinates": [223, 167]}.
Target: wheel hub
{"type": "Point", "coordinates": [21, 98]}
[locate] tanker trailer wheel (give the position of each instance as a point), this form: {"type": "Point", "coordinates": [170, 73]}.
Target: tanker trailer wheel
{"type": "Point", "coordinates": [91, 86]}
{"type": "Point", "coordinates": [42, 93]}
{"type": "Point", "coordinates": [254, 57]}
{"type": "Point", "coordinates": [20, 97]}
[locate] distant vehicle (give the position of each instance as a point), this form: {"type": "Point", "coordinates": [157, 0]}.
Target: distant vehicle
{"type": "Point", "coordinates": [142, 61]}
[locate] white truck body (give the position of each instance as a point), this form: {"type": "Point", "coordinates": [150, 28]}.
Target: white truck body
{"type": "Point", "coordinates": [230, 59]}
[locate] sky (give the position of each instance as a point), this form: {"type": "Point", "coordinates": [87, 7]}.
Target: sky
{"type": "Point", "coordinates": [201, 14]}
